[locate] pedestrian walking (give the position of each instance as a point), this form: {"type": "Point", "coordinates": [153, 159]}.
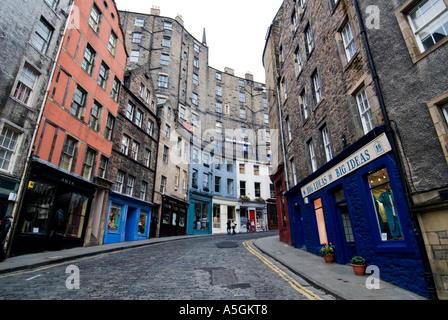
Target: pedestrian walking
{"type": "Point", "coordinates": [233, 227]}
{"type": "Point", "coordinates": [248, 226]}
{"type": "Point", "coordinates": [4, 228]}
{"type": "Point", "coordinates": [228, 227]}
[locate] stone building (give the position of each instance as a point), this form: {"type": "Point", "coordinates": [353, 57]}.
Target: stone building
{"type": "Point", "coordinates": [279, 174]}
{"type": "Point", "coordinates": [413, 81]}
{"type": "Point", "coordinates": [171, 55]}
{"type": "Point", "coordinates": [134, 161]}
{"type": "Point", "coordinates": [66, 184]}
{"type": "Point", "coordinates": [30, 37]}
{"type": "Point", "coordinates": [204, 112]}
{"type": "Point", "coordinates": [341, 158]}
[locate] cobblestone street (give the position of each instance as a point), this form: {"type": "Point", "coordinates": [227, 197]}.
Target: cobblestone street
{"type": "Point", "coordinates": [207, 268]}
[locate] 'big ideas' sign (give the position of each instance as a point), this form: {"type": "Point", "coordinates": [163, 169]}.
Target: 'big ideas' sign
{"type": "Point", "coordinates": [363, 156]}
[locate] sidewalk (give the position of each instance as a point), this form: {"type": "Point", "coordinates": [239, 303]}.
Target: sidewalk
{"type": "Point", "coordinates": [333, 278]}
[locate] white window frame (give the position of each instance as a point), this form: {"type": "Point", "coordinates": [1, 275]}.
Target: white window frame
{"type": "Point", "coordinates": [42, 35]}
{"type": "Point", "coordinates": [317, 87]}
{"type": "Point", "coordinates": [95, 18]}
{"type": "Point", "coordinates": [26, 84]}
{"type": "Point", "coordinates": [349, 41]}
{"type": "Point", "coordinates": [9, 142]}
{"type": "Point", "coordinates": [327, 143]}
{"type": "Point", "coordinates": [433, 21]}
{"type": "Point", "coordinates": [118, 187]}
{"type": "Point", "coordinates": [312, 152]}
{"type": "Point", "coordinates": [365, 111]}
{"type": "Point", "coordinates": [135, 55]}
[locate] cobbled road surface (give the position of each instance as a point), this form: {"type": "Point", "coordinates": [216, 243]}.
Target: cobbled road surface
{"type": "Point", "coordinates": [218, 267]}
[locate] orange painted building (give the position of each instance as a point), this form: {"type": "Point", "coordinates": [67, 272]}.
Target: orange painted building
{"type": "Point", "coordinates": [63, 203]}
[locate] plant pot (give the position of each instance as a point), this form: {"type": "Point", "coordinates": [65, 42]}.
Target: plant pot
{"type": "Point", "coordinates": [359, 269]}
{"type": "Point", "coordinates": [328, 258]}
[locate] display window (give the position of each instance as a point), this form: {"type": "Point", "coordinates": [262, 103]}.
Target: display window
{"type": "Point", "coordinates": [201, 215]}
{"type": "Point", "coordinates": [52, 210]}
{"type": "Point", "coordinates": [76, 215]}
{"type": "Point", "coordinates": [320, 221]}
{"type": "Point", "coordinates": [114, 217]}
{"type": "Point", "coordinates": [39, 210]}
{"type": "Point", "coordinates": [385, 206]}
{"type": "Point", "coordinates": [142, 221]}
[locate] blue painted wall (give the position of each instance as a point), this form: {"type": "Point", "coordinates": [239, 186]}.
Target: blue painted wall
{"type": "Point", "coordinates": [399, 261]}
{"type": "Point", "coordinates": [129, 219]}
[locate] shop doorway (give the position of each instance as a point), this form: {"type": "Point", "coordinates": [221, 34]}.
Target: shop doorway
{"type": "Point", "coordinates": [346, 238]}
{"type": "Point", "coordinates": [252, 220]}
{"type": "Point", "coordinates": [131, 224]}
{"type": "Point", "coordinates": [298, 227]}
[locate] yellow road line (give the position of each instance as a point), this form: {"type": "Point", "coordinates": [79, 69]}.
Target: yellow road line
{"type": "Point", "coordinates": [293, 283]}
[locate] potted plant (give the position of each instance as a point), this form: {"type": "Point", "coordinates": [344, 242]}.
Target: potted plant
{"type": "Point", "coordinates": [328, 252]}
{"type": "Point", "coordinates": [359, 265]}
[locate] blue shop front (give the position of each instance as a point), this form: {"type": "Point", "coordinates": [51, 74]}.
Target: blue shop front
{"type": "Point", "coordinates": [200, 213]}
{"type": "Point", "coordinates": [356, 202]}
{"type": "Point", "coordinates": [128, 219]}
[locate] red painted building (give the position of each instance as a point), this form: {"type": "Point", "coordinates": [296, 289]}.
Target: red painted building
{"type": "Point", "coordinates": [63, 202]}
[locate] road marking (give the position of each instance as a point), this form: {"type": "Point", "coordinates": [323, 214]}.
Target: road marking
{"type": "Point", "coordinates": [291, 281]}
{"type": "Point", "coordinates": [39, 275]}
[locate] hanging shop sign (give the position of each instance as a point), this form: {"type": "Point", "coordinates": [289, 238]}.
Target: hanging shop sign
{"type": "Point", "coordinates": [373, 150]}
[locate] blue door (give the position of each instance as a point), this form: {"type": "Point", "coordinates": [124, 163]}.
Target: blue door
{"type": "Point", "coordinates": [344, 230]}
{"type": "Point", "coordinates": [298, 227]}
{"type": "Point", "coordinates": [131, 232]}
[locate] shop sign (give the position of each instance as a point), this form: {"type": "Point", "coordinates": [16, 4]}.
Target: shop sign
{"type": "Point", "coordinates": [360, 158]}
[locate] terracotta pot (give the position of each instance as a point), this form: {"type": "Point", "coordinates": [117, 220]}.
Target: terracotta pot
{"type": "Point", "coordinates": [359, 270]}
{"type": "Point", "coordinates": [328, 258]}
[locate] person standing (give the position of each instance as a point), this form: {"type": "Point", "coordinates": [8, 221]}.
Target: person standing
{"type": "Point", "coordinates": [228, 226]}
{"type": "Point", "coordinates": [4, 228]}
{"type": "Point", "coordinates": [233, 227]}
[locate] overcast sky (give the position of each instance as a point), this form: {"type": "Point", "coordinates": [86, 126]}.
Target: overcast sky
{"type": "Point", "coordinates": [236, 29]}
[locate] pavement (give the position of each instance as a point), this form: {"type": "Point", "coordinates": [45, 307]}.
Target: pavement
{"type": "Point", "coordinates": [336, 279]}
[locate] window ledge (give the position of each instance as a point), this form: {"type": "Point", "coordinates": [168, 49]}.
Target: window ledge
{"type": "Point", "coordinates": [420, 56]}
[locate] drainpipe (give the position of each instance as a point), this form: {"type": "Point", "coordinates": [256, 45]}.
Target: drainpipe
{"type": "Point", "coordinates": [389, 132]}
{"type": "Point", "coordinates": [26, 171]}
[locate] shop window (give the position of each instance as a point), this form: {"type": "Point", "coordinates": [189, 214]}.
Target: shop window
{"type": "Point", "coordinates": [341, 207]}
{"type": "Point", "coordinates": [201, 215]}
{"type": "Point", "coordinates": [142, 221]}
{"type": "Point", "coordinates": [216, 216]}
{"type": "Point", "coordinates": [38, 212]}
{"type": "Point", "coordinates": [385, 206]}
{"type": "Point", "coordinates": [77, 215]}
{"type": "Point", "coordinates": [320, 221]}
{"type": "Point", "coordinates": [114, 217]}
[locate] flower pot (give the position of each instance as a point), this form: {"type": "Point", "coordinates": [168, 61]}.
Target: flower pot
{"type": "Point", "coordinates": [359, 269]}
{"type": "Point", "coordinates": [328, 258]}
